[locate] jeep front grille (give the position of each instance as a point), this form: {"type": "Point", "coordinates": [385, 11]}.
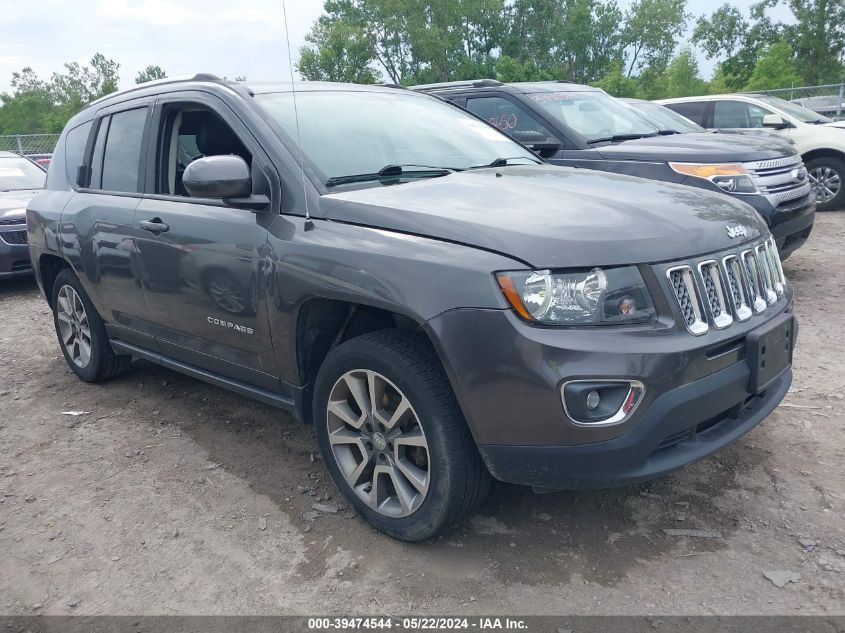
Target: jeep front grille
{"type": "Point", "coordinates": [717, 292]}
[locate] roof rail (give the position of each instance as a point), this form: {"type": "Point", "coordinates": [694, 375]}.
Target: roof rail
{"type": "Point", "coordinates": [473, 83]}
{"type": "Point", "coordinates": [159, 82]}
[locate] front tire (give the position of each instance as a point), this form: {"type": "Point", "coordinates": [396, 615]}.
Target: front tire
{"type": "Point", "coordinates": [393, 436]}
{"type": "Point", "coordinates": [827, 175]}
{"type": "Point", "coordinates": [82, 333]}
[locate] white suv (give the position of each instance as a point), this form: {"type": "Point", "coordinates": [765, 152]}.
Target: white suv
{"type": "Point", "coordinates": [820, 140]}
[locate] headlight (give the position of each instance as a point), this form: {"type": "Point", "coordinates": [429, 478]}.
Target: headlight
{"type": "Point", "coordinates": [586, 297]}
{"type": "Point", "coordinates": [732, 177]}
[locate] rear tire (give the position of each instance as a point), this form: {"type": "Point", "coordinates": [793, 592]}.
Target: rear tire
{"type": "Point", "coordinates": [827, 175]}
{"type": "Point", "coordinates": [82, 333]}
{"type": "Point", "coordinates": [414, 477]}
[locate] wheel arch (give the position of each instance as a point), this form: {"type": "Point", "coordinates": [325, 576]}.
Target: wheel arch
{"type": "Point", "coordinates": [821, 152]}
{"type": "Point", "coordinates": [322, 324]}
{"type": "Point", "coordinates": [49, 267]}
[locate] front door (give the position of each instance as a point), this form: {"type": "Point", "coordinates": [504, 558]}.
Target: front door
{"type": "Point", "coordinates": [203, 263]}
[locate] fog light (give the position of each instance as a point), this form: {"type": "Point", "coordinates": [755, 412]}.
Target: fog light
{"type": "Point", "coordinates": [598, 402]}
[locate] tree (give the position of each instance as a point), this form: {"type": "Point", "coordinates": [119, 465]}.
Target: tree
{"type": "Point", "coordinates": [37, 105]}
{"type": "Point", "coordinates": [775, 69]}
{"type": "Point", "coordinates": [682, 76]}
{"type": "Point", "coordinates": [337, 51]}
{"type": "Point", "coordinates": [150, 73]}
{"type": "Point", "coordinates": [617, 83]}
{"type": "Point", "coordinates": [818, 38]}
{"type": "Point", "coordinates": [650, 31]}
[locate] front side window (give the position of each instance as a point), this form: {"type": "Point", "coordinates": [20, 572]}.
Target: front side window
{"type": "Point", "coordinates": [695, 111]}
{"type": "Point", "coordinates": [738, 114]}
{"type": "Point", "coordinates": [594, 115]}
{"type": "Point", "coordinates": [18, 173]}
{"type": "Point", "coordinates": [189, 132]}
{"type": "Point", "coordinates": [122, 155]}
{"type": "Point", "coordinates": [506, 115]}
{"type": "Point", "coordinates": [362, 132]}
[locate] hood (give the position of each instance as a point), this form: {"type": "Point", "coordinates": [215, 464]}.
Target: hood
{"type": "Point", "coordinates": [758, 133]}
{"type": "Point", "coordinates": [701, 147]}
{"type": "Point", "coordinates": [839, 124]}
{"type": "Point", "coordinates": [13, 203]}
{"type": "Point", "coordinates": [552, 217]}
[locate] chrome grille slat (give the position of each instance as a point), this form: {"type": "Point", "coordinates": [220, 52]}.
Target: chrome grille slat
{"type": "Point", "coordinates": [683, 285]}
{"type": "Point", "coordinates": [765, 268]}
{"type": "Point", "coordinates": [714, 288]}
{"type": "Point", "coordinates": [739, 295]}
{"type": "Point", "coordinates": [776, 181]}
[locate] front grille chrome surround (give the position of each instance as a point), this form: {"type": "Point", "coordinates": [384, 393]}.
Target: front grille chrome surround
{"type": "Point", "coordinates": [737, 288]}
{"type": "Point", "coordinates": [715, 293]}
{"type": "Point", "coordinates": [684, 286]}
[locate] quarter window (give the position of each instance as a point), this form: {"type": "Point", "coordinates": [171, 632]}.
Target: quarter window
{"type": "Point", "coordinates": [75, 143]}
{"type": "Point", "coordinates": [122, 154]}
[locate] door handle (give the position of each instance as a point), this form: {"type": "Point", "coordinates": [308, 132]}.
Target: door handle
{"type": "Point", "coordinates": [154, 226]}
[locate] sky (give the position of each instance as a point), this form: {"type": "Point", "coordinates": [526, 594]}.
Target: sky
{"type": "Point", "coordinates": [224, 37]}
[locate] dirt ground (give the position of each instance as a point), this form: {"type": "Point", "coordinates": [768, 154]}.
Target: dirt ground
{"type": "Point", "coordinates": [170, 496]}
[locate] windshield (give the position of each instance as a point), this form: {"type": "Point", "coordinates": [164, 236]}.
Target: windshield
{"type": "Point", "coordinates": [667, 119]}
{"type": "Point", "coordinates": [794, 110]}
{"type": "Point", "coordinates": [19, 173]}
{"type": "Point", "coordinates": [360, 132]}
{"type": "Point", "coordinates": [594, 115]}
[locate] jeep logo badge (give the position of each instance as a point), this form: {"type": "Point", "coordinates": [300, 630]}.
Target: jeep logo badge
{"type": "Point", "coordinates": [737, 231]}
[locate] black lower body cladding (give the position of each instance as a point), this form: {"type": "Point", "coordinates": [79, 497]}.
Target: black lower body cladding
{"type": "Point", "coordinates": [698, 395]}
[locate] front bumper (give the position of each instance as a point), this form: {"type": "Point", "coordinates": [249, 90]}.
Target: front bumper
{"type": "Point", "coordinates": [681, 427]}
{"type": "Point", "coordinates": [790, 223]}
{"type": "Point", "coordinates": [14, 258]}
{"type": "Point", "coordinates": [507, 377]}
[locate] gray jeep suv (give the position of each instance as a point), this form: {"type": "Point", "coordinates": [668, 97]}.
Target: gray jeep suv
{"type": "Point", "coordinates": [439, 303]}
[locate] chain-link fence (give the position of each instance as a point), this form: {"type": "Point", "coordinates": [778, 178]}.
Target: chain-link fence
{"type": "Point", "coordinates": [828, 100]}
{"type": "Point", "coordinates": [29, 144]}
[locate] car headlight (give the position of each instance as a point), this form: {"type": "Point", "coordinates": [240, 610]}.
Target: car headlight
{"type": "Point", "coordinates": [731, 177]}
{"type": "Point", "coordinates": [585, 297]}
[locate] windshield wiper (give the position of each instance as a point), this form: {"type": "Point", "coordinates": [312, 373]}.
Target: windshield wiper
{"type": "Point", "coordinates": [503, 162]}
{"type": "Point", "coordinates": [620, 137]}
{"type": "Point", "coordinates": [668, 132]}
{"type": "Point", "coordinates": [392, 171]}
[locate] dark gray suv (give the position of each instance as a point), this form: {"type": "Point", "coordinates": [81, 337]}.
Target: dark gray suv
{"type": "Point", "coordinates": [439, 304]}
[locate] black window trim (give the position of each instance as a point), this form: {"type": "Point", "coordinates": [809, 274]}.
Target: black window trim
{"type": "Point", "coordinates": [103, 113]}
{"type": "Point", "coordinates": [73, 176]}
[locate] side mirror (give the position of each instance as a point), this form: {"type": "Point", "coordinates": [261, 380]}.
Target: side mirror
{"type": "Point", "coordinates": [774, 121]}
{"type": "Point", "coordinates": [536, 141]}
{"type": "Point", "coordinates": [218, 177]}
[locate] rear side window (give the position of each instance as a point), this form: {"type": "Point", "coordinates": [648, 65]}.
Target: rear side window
{"type": "Point", "coordinates": [737, 114]}
{"type": "Point", "coordinates": [122, 154]}
{"type": "Point", "coordinates": [693, 110]}
{"type": "Point", "coordinates": [75, 142]}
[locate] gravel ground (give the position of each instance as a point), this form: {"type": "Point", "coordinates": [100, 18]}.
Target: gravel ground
{"type": "Point", "coordinates": [169, 496]}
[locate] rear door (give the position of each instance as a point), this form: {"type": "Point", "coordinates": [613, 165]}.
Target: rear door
{"type": "Point", "coordinates": [98, 229]}
{"type": "Point", "coordinates": [203, 263]}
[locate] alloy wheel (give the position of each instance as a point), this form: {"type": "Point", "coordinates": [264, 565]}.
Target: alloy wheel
{"type": "Point", "coordinates": [826, 183]}
{"type": "Point", "coordinates": [74, 329]}
{"type": "Point", "coordinates": [378, 443]}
